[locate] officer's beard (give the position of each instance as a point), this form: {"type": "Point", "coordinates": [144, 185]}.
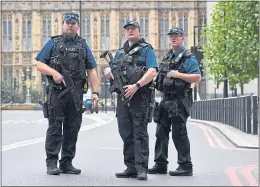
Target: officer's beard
{"type": "Point", "coordinates": [69, 37]}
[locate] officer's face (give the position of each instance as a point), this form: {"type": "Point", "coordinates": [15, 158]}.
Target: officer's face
{"type": "Point", "coordinates": [70, 27]}
{"type": "Point", "coordinates": [176, 40]}
{"type": "Point", "coordinates": [132, 32]}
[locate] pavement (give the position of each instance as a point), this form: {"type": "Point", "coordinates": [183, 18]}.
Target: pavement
{"type": "Point", "coordinates": [237, 137]}
{"type": "Point", "coordinates": [216, 160]}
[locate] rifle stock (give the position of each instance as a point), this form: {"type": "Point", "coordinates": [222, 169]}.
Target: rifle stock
{"type": "Point", "coordinates": [70, 87]}
{"type": "Point", "coordinates": [119, 78]}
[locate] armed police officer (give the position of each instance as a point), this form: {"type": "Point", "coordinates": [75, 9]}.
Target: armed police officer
{"type": "Point", "coordinates": [136, 59]}
{"type": "Point", "coordinates": [178, 69]}
{"type": "Point", "coordinates": [65, 59]}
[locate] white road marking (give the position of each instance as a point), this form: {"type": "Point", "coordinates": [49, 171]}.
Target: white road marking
{"type": "Point", "coordinates": [8, 121]}
{"type": "Point", "coordinates": [110, 148]}
{"type": "Point", "coordinates": [40, 121]}
{"type": "Point", "coordinates": [99, 122]}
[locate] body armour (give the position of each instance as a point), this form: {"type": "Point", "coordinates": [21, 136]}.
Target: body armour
{"type": "Point", "coordinates": [172, 85]}
{"type": "Point", "coordinates": [129, 61]}
{"type": "Point", "coordinates": [71, 52]}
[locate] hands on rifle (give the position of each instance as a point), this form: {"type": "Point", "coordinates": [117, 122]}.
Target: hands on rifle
{"type": "Point", "coordinates": [108, 74]}
{"type": "Point", "coordinates": [58, 78]}
{"type": "Point", "coordinates": [173, 74]}
{"type": "Point", "coordinates": [130, 90]}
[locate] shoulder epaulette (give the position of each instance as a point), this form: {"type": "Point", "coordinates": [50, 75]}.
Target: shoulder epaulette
{"type": "Point", "coordinates": [188, 54]}
{"type": "Point", "coordinates": [82, 40]}
{"type": "Point", "coordinates": [56, 38]}
{"type": "Point", "coordinates": [145, 44]}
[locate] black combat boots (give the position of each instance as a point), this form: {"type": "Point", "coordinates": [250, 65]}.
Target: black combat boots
{"type": "Point", "coordinates": [142, 176]}
{"type": "Point", "coordinates": [69, 168]}
{"type": "Point", "coordinates": [158, 169]}
{"type": "Point", "coordinates": [52, 169]}
{"type": "Point", "coordinates": [128, 173]}
{"type": "Point", "coordinates": [182, 171]}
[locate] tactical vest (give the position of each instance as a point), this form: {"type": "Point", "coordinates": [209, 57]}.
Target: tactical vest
{"type": "Point", "coordinates": [129, 64]}
{"type": "Point", "coordinates": [172, 85]}
{"type": "Point", "coordinates": [72, 55]}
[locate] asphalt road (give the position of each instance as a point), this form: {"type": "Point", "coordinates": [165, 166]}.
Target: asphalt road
{"type": "Point", "coordinates": [99, 155]}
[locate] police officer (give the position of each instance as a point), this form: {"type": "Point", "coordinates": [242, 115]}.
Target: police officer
{"type": "Point", "coordinates": [179, 68]}
{"type": "Point", "coordinates": [133, 58]}
{"type": "Point", "coordinates": [65, 59]}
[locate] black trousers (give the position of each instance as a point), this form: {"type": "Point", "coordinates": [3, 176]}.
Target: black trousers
{"type": "Point", "coordinates": [64, 125]}
{"type": "Point", "coordinates": [177, 125]}
{"type": "Point", "coordinates": [132, 126]}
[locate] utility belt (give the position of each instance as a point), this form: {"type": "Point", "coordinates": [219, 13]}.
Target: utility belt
{"type": "Point", "coordinates": [174, 95]}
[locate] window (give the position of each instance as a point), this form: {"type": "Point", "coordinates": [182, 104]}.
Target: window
{"type": "Point", "coordinates": [181, 21]}
{"type": "Point", "coordinates": [105, 33]}
{"type": "Point", "coordinates": [184, 24]}
{"type": "Point", "coordinates": [86, 29]}
{"type": "Point", "coordinates": [27, 33]}
{"type": "Point", "coordinates": [46, 28]}
{"type": "Point", "coordinates": [7, 58]}
{"type": "Point", "coordinates": [164, 29]}
{"type": "Point", "coordinates": [17, 75]}
{"type": "Point", "coordinates": [123, 20]}
{"type": "Point", "coordinates": [5, 74]}
{"type": "Point", "coordinates": [144, 25]}
{"type": "Point", "coordinates": [10, 74]}
{"type": "Point", "coordinates": [7, 34]}
{"type": "Point", "coordinates": [16, 58]}
{"type": "Point", "coordinates": [27, 58]}
{"type": "Point", "coordinates": [203, 21]}
{"type": "Point", "coordinates": [186, 31]}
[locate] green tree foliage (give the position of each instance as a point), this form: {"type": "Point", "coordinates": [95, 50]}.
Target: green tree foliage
{"type": "Point", "coordinates": [232, 46]}
{"type": "Point", "coordinates": [5, 92]}
{"type": "Point", "coordinates": [8, 94]}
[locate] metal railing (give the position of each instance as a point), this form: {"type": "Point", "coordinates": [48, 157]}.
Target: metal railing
{"type": "Point", "coordinates": [239, 112]}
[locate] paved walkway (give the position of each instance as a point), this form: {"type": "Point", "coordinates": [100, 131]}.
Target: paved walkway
{"type": "Point", "coordinates": [237, 137]}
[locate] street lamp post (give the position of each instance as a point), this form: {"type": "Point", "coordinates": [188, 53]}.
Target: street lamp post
{"type": "Point", "coordinates": [28, 85]}
{"type": "Point", "coordinates": [105, 83]}
{"type": "Point", "coordinates": [194, 43]}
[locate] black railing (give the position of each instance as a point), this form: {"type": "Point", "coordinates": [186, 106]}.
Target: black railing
{"type": "Point", "coordinates": [239, 112]}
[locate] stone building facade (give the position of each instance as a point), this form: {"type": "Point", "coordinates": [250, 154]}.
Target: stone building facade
{"type": "Point", "coordinates": [26, 26]}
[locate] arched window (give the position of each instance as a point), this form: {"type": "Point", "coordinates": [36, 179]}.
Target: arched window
{"type": "Point", "coordinates": [186, 31]}
{"type": "Point", "coordinates": [27, 33]}
{"type": "Point", "coordinates": [86, 29]}
{"type": "Point", "coordinates": [10, 43]}
{"type": "Point", "coordinates": [10, 74]}
{"type": "Point", "coordinates": [184, 24]}
{"type": "Point", "coordinates": [123, 20]}
{"type": "Point", "coordinates": [105, 33]}
{"type": "Point", "coordinates": [203, 21]}
{"type": "Point", "coordinates": [144, 26]}
{"type": "Point", "coordinates": [6, 74]}
{"type": "Point", "coordinates": [164, 29]}
{"type": "Point", "coordinates": [181, 20]}
{"type": "Point", "coordinates": [46, 28]}
{"type": "Point", "coordinates": [7, 34]}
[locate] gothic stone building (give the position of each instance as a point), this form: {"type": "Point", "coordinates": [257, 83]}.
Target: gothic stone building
{"type": "Point", "coordinates": [26, 26]}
